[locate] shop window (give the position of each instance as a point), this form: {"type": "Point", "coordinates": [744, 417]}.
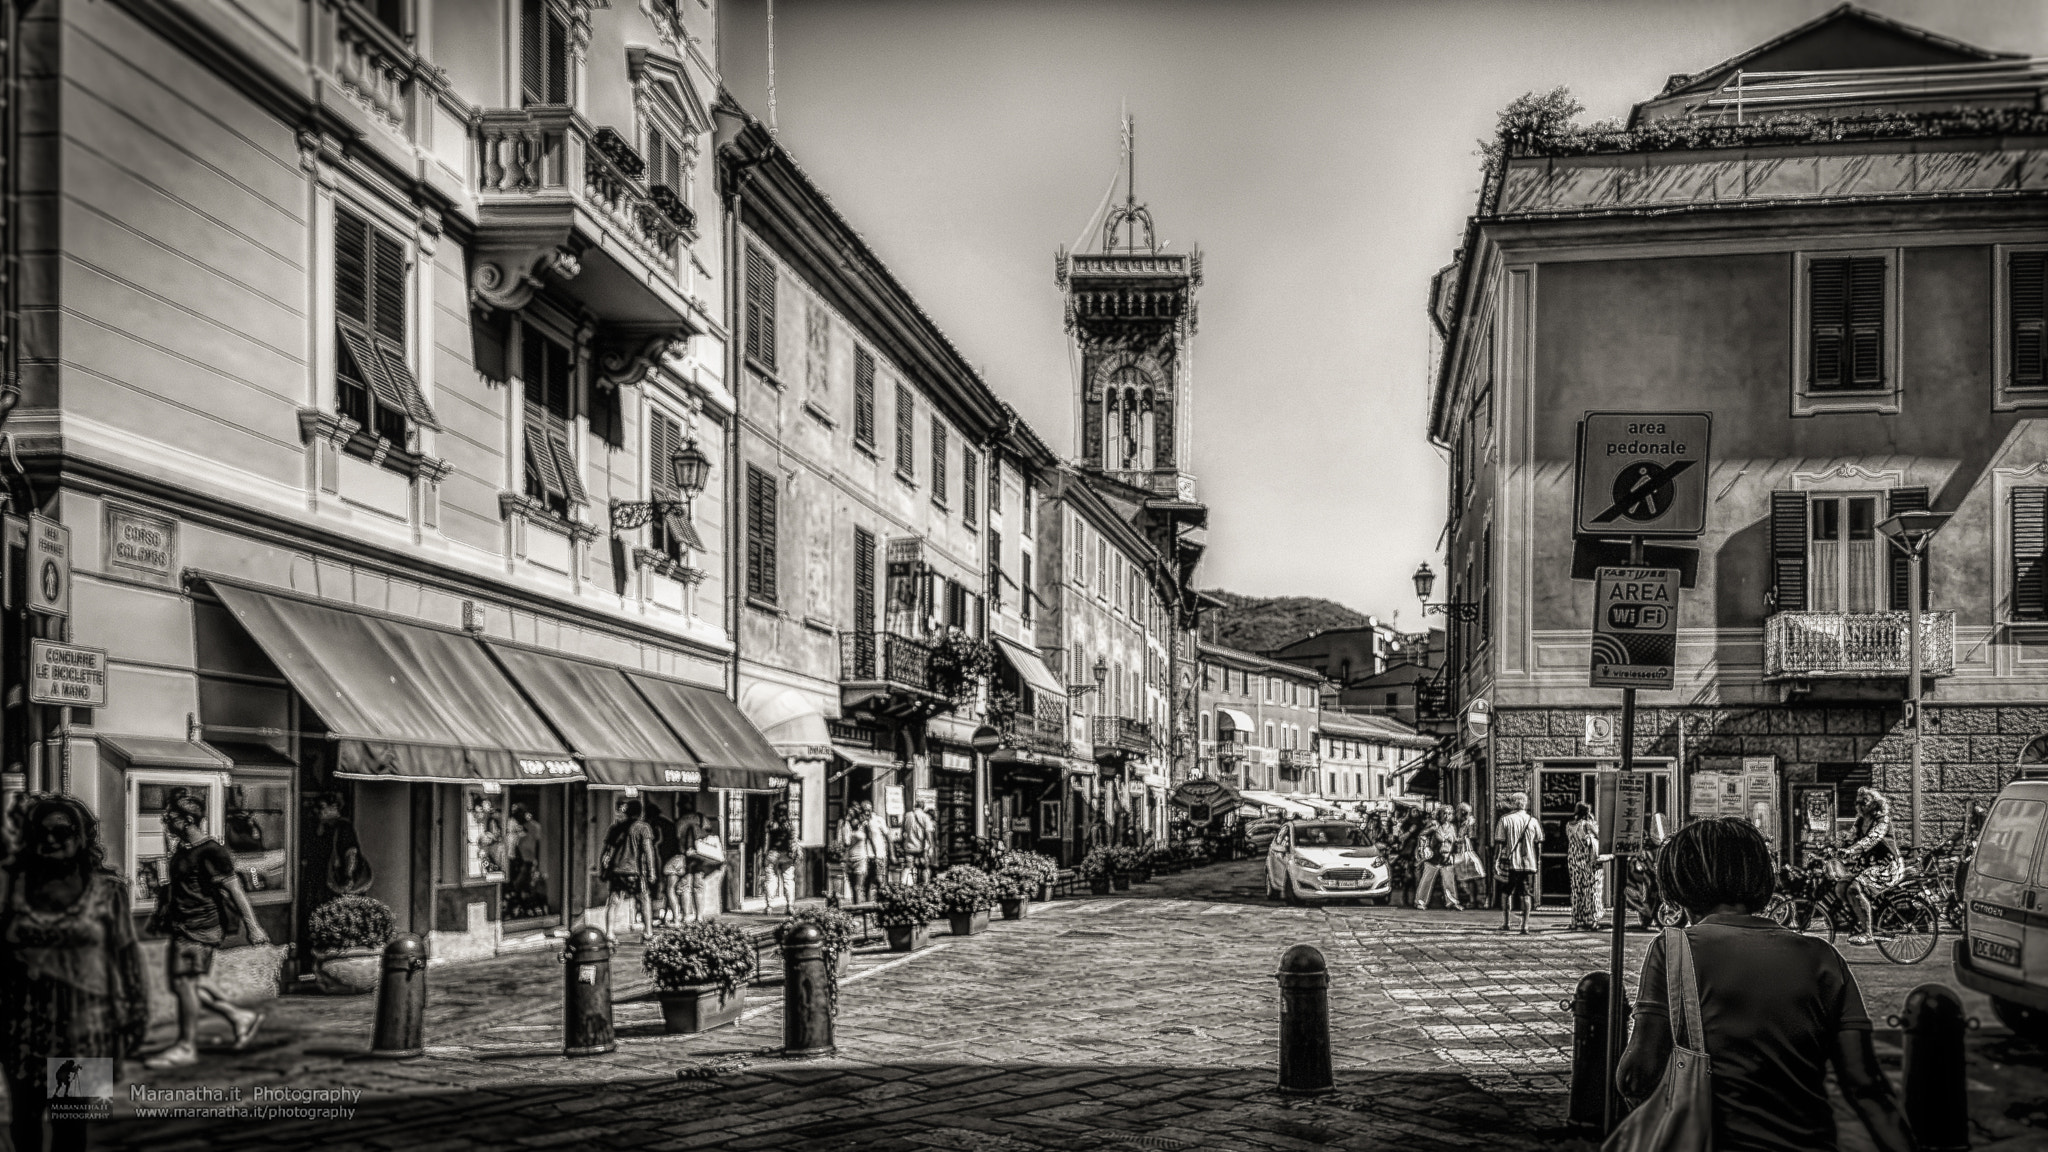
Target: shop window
{"type": "Point", "coordinates": [149, 846]}
{"type": "Point", "coordinates": [483, 833]}
{"type": "Point", "coordinates": [534, 880]}
{"type": "Point", "coordinates": [257, 832]}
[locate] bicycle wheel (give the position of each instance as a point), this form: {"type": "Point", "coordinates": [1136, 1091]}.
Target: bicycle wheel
{"type": "Point", "coordinates": [1907, 928]}
{"type": "Point", "coordinates": [1807, 917]}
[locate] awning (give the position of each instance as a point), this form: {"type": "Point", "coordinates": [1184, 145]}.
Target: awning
{"type": "Point", "coordinates": [1239, 722]}
{"type": "Point", "coordinates": [1030, 666]}
{"type": "Point", "coordinates": [622, 742]}
{"type": "Point", "coordinates": [733, 752]}
{"type": "Point", "coordinates": [865, 757]}
{"type": "Point", "coordinates": [1275, 800]}
{"type": "Point", "coordinates": [789, 719]}
{"type": "Point", "coordinates": [165, 752]}
{"type": "Point", "coordinates": [402, 701]}
{"type": "Point", "coordinates": [1323, 806]}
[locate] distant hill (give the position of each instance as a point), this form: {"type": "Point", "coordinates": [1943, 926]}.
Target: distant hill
{"type": "Point", "coordinates": [1263, 623]}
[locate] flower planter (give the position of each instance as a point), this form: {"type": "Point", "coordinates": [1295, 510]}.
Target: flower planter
{"type": "Point", "coordinates": [908, 937]}
{"type": "Point", "coordinates": [1099, 885]}
{"type": "Point", "coordinates": [968, 923]}
{"type": "Point", "coordinates": [700, 1007]}
{"type": "Point", "coordinates": [1044, 895]}
{"type": "Point", "coordinates": [1121, 881]}
{"type": "Point", "coordinates": [350, 972]}
{"type": "Point", "coordinates": [1015, 907]}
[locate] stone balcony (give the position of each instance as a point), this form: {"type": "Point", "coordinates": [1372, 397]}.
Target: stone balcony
{"type": "Point", "coordinates": [1121, 737]}
{"type": "Point", "coordinates": [1855, 645]}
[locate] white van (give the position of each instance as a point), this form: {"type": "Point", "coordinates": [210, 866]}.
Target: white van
{"type": "Point", "coordinates": [2004, 949]}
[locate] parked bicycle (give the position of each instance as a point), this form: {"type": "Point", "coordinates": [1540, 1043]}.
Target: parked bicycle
{"type": "Point", "coordinates": [1931, 874]}
{"type": "Point", "coordinates": [1905, 923]}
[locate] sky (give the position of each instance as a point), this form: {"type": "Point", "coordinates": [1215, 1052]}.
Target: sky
{"type": "Point", "coordinates": [1322, 155]}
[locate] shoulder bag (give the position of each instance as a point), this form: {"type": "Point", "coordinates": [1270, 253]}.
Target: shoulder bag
{"type": "Point", "coordinates": [1679, 1115]}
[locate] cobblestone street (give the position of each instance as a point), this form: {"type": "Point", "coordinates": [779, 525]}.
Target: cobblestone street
{"type": "Point", "coordinates": [1145, 1020]}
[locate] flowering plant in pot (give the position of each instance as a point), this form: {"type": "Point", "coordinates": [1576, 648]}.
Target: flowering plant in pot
{"type": "Point", "coordinates": [905, 912]}
{"type": "Point", "coordinates": [837, 928]}
{"type": "Point", "coordinates": [347, 935]}
{"type": "Point", "coordinates": [966, 893]}
{"type": "Point", "coordinates": [1123, 865]}
{"type": "Point", "coordinates": [1014, 887]}
{"type": "Point", "coordinates": [698, 970]}
{"type": "Point", "coordinates": [1097, 868]}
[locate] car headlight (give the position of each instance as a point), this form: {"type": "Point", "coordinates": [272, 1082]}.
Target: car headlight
{"type": "Point", "coordinates": [1308, 864]}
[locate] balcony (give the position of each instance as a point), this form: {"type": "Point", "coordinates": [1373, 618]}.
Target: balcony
{"type": "Point", "coordinates": [1045, 732]}
{"type": "Point", "coordinates": [1855, 645]}
{"type": "Point", "coordinates": [1299, 759]}
{"type": "Point", "coordinates": [560, 198]}
{"type": "Point", "coordinates": [887, 675]}
{"type": "Point", "coordinates": [1121, 736]}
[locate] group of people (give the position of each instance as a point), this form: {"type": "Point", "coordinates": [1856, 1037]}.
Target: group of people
{"type": "Point", "coordinates": [1430, 847]}
{"type": "Point", "coordinates": [872, 853]}
{"type": "Point", "coordinates": [649, 857]}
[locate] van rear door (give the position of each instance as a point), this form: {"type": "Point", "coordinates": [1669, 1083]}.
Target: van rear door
{"type": "Point", "coordinates": [2008, 927]}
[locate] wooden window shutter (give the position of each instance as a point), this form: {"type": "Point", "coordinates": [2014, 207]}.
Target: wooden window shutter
{"type": "Point", "coordinates": [1827, 318]}
{"type": "Point", "coordinates": [938, 460]}
{"type": "Point", "coordinates": [1024, 596]}
{"type": "Point", "coordinates": [543, 54]}
{"type": "Point", "coordinates": [863, 397]}
{"type": "Point", "coordinates": [906, 458]}
{"type": "Point", "coordinates": [1866, 322]}
{"type": "Point", "coordinates": [2027, 296]}
{"type": "Point", "coordinates": [760, 307]}
{"type": "Point", "coordinates": [761, 581]}
{"type": "Point", "coordinates": [351, 267]}
{"type": "Point", "coordinates": [1896, 501]}
{"type": "Point", "coordinates": [664, 440]}
{"type": "Point", "coordinates": [1788, 552]}
{"type": "Point", "coordinates": [863, 580]}
{"type": "Point", "coordinates": [565, 462]}
{"type": "Point", "coordinates": [543, 471]}
{"type": "Point", "coordinates": [2029, 543]}
{"type": "Point", "coordinates": [388, 289]}
{"type": "Point", "coordinates": [970, 494]}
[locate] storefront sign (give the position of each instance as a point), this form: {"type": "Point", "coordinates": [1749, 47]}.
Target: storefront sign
{"type": "Point", "coordinates": [549, 769]}
{"type": "Point", "coordinates": [955, 760]}
{"type": "Point", "coordinates": [892, 800]}
{"type": "Point", "coordinates": [140, 546]}
{"type": "Point", "coordinates": [1020, 824]}
{"type": "Point", "coordinates": [67, 674]}
{"type": "Point", "coordinates": [685, 777]}
{"type": "Point", "coordinates": [49, 567]}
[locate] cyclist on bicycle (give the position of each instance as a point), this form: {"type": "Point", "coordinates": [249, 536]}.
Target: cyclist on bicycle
{"type": "Point", "coordinates": [1873, 864]}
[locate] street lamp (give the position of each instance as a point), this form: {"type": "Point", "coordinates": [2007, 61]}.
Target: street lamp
{"type": "Point", "coordinates": [1910, 532]}
{"type": "Point", "coordinates": [1101, 671]}
{"type": "Point", "coordinates": [689, 470]}
{"type": "Point", "coordinates": [1461, 610]}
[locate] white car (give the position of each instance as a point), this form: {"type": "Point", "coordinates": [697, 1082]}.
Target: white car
{"type": "Point", "coordinates": [1326, 860]}
{"type": "Point", "coordinates": [1259, 833]}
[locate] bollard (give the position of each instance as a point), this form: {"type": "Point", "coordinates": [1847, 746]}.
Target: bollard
{"type": "Point", "coordinates": [587, 993]}
{"type": "Point", "coordinates": [1304, 1023]}
{"type": "Point", "coordinates": [1589, 1053]}
{"type": "Point", "coordinates": [1937, 1103]}
{"type": "Point", "coordinates": [401, 1000]}
{"type": "Point", "coordinates": [806, 994]}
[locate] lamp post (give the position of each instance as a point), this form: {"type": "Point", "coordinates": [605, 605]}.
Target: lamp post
{"type": "Point", "coordinates": [1463, 611]}
{"type": "Point", "coordinates": [689, 469]}
{"type": "Point", "coordinates": [1910, 532]}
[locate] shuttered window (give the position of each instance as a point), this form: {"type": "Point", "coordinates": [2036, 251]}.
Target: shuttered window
{"type": "Point", "coordinates": [863, 580]}
{"type": "Point", "coordinates": [2030, 554]}
{"type": "Point", "coordinates": [673, 534]}
{"type": "Point", "coordinates": [760, 308]}
{"type": "Point", "coordinates": [995, 569]}
{"type": "Point", "coordinates": [551, 473]}
{"type": "Point", "coordinates": [938, 462]}
{"type": "Point", "coordinates": [956, 605]}
{"type": "Point", "coordinates": [1899, 566]}
{"type": "Point", "coordinates": [1788, 552]}
{"type": "Point", "coordinates": [863, 398]}
{"type": "Point", "coordinates": [543, 54]}
{"type": "Point", "coordinates": [2027, 298]}
{"type": "Point", "coordinates": [761, 513]}
{"type": "Point", "coordinates": [1845, 323]}
{"type": "Point", "coordinates": [1024, 591]}
{"type": "Point", "coordinates": [906, 435]}
{"type": "Point", "coordinates": [970, 490]}
{"type": "Point", "coordinates": [373, 383]}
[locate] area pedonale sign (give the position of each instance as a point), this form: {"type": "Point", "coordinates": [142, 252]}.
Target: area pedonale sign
{"type": "Point", "coordinates": [1642, 474]}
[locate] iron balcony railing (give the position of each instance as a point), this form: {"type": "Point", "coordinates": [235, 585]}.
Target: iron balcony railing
{"type": "Point", "coordinates": [1046, 731]}
{"type": "Point", "coordinates": [884, 657]}
{"type": "Point", "coordinates": [1296, 759]}
{"type": "Point", "coordinates": [1856, 645]}
{"type": "Point", "coordinates": [1122, 734]}
{"type": "Point", "coordinates": [1764, 93]}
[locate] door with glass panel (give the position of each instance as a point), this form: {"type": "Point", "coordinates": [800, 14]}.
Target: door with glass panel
{"type": "Point", "coordinates": [1845, 557]}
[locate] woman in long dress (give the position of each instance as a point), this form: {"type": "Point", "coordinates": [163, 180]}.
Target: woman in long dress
{"type": "Point", "coordinates": [1583, 838]}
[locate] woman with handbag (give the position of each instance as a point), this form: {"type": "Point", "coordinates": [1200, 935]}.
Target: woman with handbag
{"type": "Point", "coordinates": [1582, 836]}
{"type": "Point", "coordinates": [1738, 1019]}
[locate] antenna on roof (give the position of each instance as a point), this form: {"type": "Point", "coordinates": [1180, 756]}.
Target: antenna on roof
{"type": "Point", "coordinates": [771, 67]}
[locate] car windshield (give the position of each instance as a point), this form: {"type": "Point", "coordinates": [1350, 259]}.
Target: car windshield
{"type": "Point", "coordinates": [1329, 836]}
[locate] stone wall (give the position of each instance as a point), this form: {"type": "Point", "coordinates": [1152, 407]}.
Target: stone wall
{"type": "Point", "coordinates": [1968, 752]}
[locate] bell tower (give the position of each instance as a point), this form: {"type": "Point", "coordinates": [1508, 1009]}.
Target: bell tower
{"type": "Point", "coordinates": [1131, 313]}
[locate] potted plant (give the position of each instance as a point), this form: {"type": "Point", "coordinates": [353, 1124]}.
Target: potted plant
{"type": "Point", "coordinates": [837, 928]}
{"type": "Point", "coordinates": [1013, 891]}
{"type": "Point", "coordinates": [905, 912]}
{"type": "Point", "coordinates": [347, 935]}
{"type": "Point", "coordinates": [698, 969]}
{"type": "Point", "coordinates": [1096, 869]}
{"type": "Point", "coordinates": [1038, 871]}
{"type": "Point", "coordinates": [966, 893]}
{"type": "Point", "coordinates": [1122, 862]}
{"type": "Point", "coordinates": [1141, 863]}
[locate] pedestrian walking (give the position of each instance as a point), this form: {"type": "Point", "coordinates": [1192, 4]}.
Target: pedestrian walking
{"type": "Point", "coordinates": [1777, 1007]}
{"type": "Point", "coordinates": [880, 848]}
{"type": "Point", "coordinates": [704, 864]}
{"type": "Point", "coordinates": [1402, 868]}
{"type": "Point", "coordinates": [200, 906]}
{"type": "Point", "coordinates": [71, 979]}
{"type": "Point", "coordinates": [1582, 840]}
{"type": "Point", "coordinates": [1436, 856]}
{"type": "Point", "coordinates": [853, 850]}
{"type": "Point", "coordinates": [1872, 863]}
{"type": "Point", "coordinates": [780, 858]}
{"type": "Point", "coordinates": [675, 868]}
{"type": "Point", "coordinates": [1468, 870]}
{"type": "Point", "coordinates": [1517, 839]}
{"type": "Point", "coordinates": [915, 843]}
{"type": "Point", "coordinates": [630, 862]}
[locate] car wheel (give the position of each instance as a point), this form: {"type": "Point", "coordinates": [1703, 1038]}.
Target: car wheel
{"type": "Point", "coordinates": [1289, 894]}
{"type": "Point", "coordinates": [2025, 1022]}
{"type": "Point", "coordinates": [1383, 901]}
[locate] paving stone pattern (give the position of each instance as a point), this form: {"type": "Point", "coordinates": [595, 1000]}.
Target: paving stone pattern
{"type": "Point", "coordinates": [1144, 1020]}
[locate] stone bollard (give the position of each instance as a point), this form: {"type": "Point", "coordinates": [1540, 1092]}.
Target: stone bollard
{"type": "Point", "coordinates": [806, 994]}
{"type": "Point", "coordinates": [587, 993]}
{"type": "Point", "coordinates": [1588, 1007]}
{"type": "Point", "coordinates": [1937, 1099]}
{"type": "Point", "coordinates": [401, 1000]}
{"type": "Point", "coordinates": [1304, 1023]}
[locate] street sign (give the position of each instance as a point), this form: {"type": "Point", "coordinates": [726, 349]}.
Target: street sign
{"type": "Point", "coordinates": [1635, 627]}
{"type": "Point", "coordinates": [1599, 734]}
{"type": "Point", "coordinates": [1631, 810]}
{"type": "Point", "coordinates": [49, 567]}
{"type": "Point", "coordinates": [67, 674]}
{"type": "Point", "coordinates": [986, 740]}
{"type": "Point", "coordinates": [1642, 474]}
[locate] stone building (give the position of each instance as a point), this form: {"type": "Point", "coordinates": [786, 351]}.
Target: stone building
{"type": "Point", "coordinates": [1259, 720]}
{"type": "Point", "coordinates": [1854, 295]}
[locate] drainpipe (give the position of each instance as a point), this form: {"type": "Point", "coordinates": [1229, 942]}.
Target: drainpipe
{"type": "Point", "coordinates": [729, 120]}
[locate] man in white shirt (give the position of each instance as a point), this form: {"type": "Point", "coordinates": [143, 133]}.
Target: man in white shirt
{"type": "Point", "coordinates": [878, 841]}
{"type": "Point", "coordinates": [1517, 839]}
{"type": "Point", "coordinates": [914, 840]}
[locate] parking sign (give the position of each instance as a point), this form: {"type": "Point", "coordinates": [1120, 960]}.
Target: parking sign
{"type": "Point", "coordinates": [1635, 627]}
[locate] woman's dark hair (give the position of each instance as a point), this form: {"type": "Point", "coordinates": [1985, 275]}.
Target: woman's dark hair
{"type": "Point", "coordinates": [92, 853]}
{"type": "Point", "coordinates": [632, 810]}
{"type": "Point", "coordinates": [1583, 812]}
{"type": "Point", "coordinates": [1713, 862]}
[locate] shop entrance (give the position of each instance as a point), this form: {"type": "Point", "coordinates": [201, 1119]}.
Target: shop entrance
{"type": "Point", "coordinates": [752, 812]}
{"type": "Point", "coordinates": [537, 837]}
{"type": "Point", "coordinates": [1561, 787]}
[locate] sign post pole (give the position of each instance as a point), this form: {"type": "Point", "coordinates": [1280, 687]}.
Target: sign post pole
{"type": "Point", "coordinates": [1617, 1022]}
